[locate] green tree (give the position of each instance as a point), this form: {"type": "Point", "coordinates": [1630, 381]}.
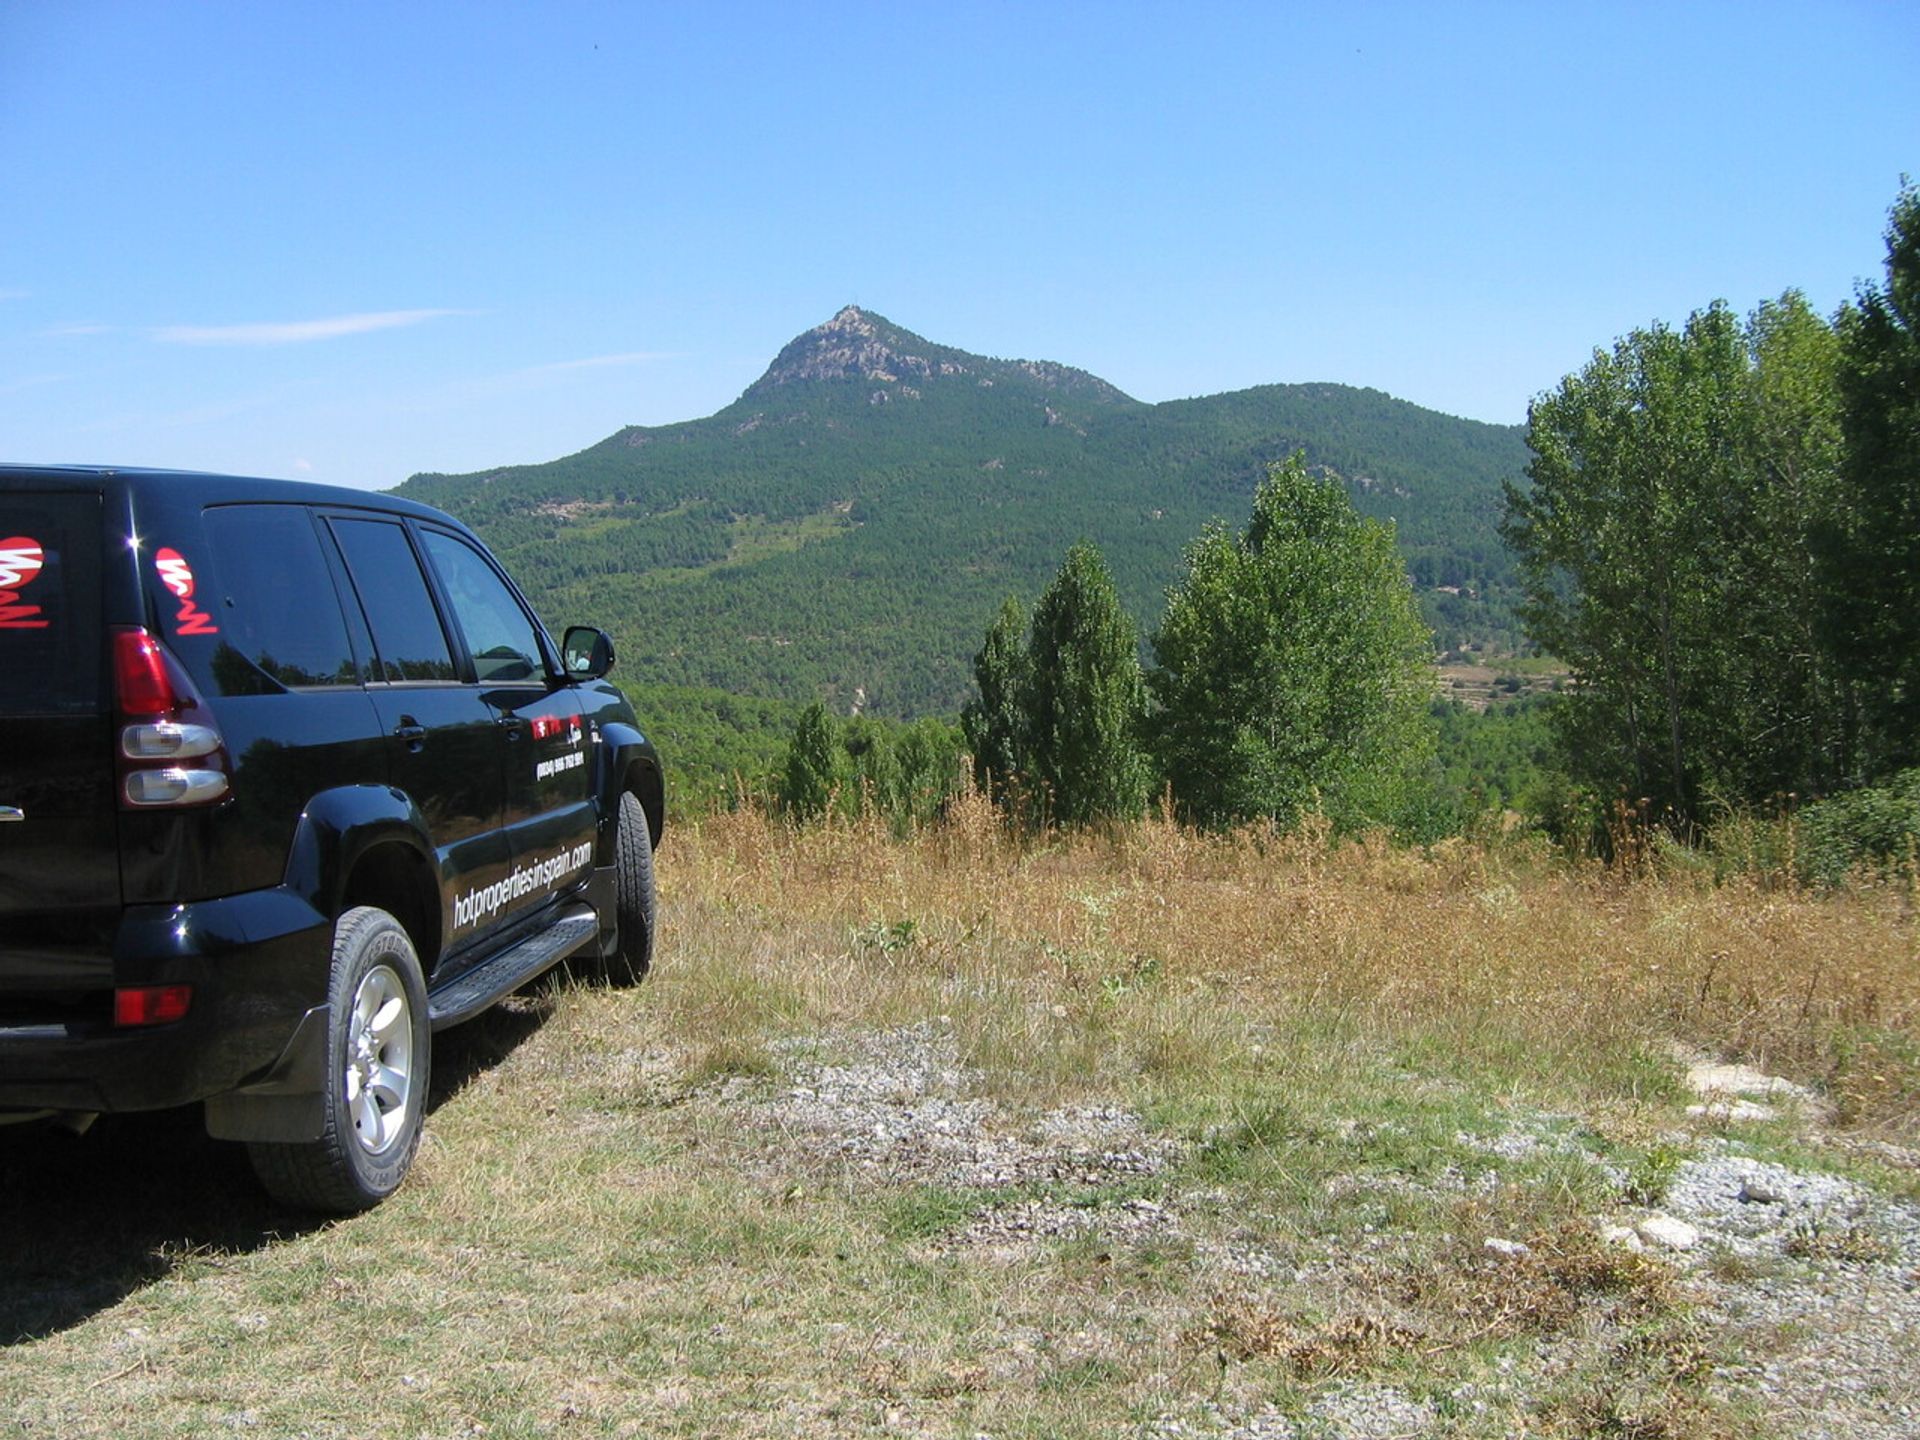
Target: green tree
{"type": "Point", "coordinates": [1292, 667]}
{"type": "Point", "coordinates": [1083, 700]}
{"type": "Point", "coordinates": [1668, 547]}
{"type": "Point", "coordinates": [992, 721]}
{"type": "Point", "coordinates": [927, 761]}
{"type": "Point", "coordinates": [1872, 549]}
{"type": "Point", "coordinates": [868, 742]}
{"type": "Point", "coordinates": [815, 769]}
{"type": "Point", "coordinates": [1785, 723]}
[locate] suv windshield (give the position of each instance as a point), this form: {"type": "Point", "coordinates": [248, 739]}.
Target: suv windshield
{"type": "Point", "coordinates": [50, 646]}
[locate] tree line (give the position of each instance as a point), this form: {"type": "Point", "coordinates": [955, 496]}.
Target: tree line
{"type": "Point", "coordinates": [1720, 535]}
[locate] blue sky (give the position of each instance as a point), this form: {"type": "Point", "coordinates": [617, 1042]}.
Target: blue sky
{"type": "Point", "coordinates": [351, 242]}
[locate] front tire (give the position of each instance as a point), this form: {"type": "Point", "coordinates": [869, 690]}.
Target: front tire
{"type": "Point", "coordinates": [378, 1058]}
{"type": "Point", "coordinates": [636, 905]}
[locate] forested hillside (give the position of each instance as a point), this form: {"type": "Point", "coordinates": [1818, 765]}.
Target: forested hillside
{"type": "Point", "coordinates": [844, 530]}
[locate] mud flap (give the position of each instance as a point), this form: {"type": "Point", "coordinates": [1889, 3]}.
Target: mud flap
{"type": "Point", "coordinates": [286, 1105]}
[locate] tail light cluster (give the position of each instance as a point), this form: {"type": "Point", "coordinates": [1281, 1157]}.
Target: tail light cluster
{"type": "Point", "coordinates": [169, 752]}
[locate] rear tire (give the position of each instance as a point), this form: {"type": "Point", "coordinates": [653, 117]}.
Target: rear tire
{"type": "Point", "coordinates": [378, 1059]}
{"type": "Point", "coordinates": [636, 904]}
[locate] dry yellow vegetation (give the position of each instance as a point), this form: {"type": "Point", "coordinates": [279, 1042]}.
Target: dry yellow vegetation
{"type": "Point", "coordinates": [1504, 959]}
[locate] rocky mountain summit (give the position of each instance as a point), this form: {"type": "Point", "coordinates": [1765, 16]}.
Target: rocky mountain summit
{"type": "Point", "coordinates": [859, 345]}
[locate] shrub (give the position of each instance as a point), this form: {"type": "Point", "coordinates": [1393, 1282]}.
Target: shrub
{"type": "Point", "coordinates": [1875, 830]}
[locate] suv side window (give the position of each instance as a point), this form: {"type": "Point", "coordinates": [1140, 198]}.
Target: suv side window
{"type": "Point", "coordinates": [399, 609]}
{"type": "Point", "coordinates": [282, 614]}
{"type": "Point", "coordinates": [499, 636]}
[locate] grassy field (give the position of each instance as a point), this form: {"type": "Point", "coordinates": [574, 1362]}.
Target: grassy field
{"type": "Point", "coordinates": [1150, 1133]}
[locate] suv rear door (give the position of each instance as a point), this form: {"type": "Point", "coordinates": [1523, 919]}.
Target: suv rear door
{"type": "Point", "coordinates": [59, 867]}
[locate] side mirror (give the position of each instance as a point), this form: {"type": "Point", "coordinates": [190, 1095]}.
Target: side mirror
{"type": "Point", "coordinates": [586, 652]}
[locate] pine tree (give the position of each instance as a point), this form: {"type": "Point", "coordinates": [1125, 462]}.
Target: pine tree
{"type": "Point", "coordinates": [815, 766]}
{"type": "Point", "coordinates": [1083, 701]}
{"type": "Point", "coordinates": [992, 720]}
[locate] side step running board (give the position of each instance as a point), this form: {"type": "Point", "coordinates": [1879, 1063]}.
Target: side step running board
{"type": "Point", "coordinates": [472, 991]}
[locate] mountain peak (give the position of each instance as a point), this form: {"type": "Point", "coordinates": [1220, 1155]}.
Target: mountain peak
{"type": "Point", "coordinates": [856, 344]}
{"type": "Point", "coordinates": [860, 345]}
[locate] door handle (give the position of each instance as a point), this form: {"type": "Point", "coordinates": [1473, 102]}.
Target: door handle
{"type": "Point", "coordinates": [411, 731]}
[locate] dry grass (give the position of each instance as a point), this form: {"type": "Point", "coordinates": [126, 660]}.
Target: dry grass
{"type": "Point", "coordinates": [606, 1237]}
{"type": "Point", "coordinates": [1503, 963]}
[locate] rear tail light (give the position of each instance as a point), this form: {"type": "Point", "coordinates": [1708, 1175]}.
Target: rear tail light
{"type": "Point", "coordinates": [174, 785]}
{"type": "Point", "coordinates": [169, 753]}
{"type": "Point", "coordinates": [151, 1004]}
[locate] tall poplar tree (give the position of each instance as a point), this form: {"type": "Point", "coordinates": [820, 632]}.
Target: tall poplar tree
{"type": "Point", "coordinates": [1873, 578]}
{"type": "Point", "coordinates": [1667, 547]}
{"type": "Point", "coordinates": [1293, 670]}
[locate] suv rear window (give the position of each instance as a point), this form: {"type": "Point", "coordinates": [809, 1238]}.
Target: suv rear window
{"type": "Point", "coordinates": [50, 643]}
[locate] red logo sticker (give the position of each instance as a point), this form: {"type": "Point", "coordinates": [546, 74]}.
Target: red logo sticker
{"type": "Point", "coordinates": [21, 560]}
{"type": "Point", "coordinates": [177, 576]}
{"type": "Point", "coordinates": [175, 573]}
{"type": "Point", "coordinates": [554, 727]}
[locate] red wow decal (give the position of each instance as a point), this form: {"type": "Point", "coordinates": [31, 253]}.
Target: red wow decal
{"type": "Point", "coordinates": [20, 561]}
{"type": "Point", "coordinates": [177, 576]}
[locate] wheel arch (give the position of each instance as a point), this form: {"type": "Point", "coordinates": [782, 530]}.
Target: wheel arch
{"type": "Point", "coordinates": [634, 766]}
{"type": "Point", "coordinates": [368, 845]}
{"type": "Point", "coordinates": [396, 877]}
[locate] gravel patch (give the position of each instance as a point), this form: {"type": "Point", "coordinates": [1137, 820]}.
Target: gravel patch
{"type": "Point", "coordinates": [902, 1112]}
{"type": "Point", "coordinates": [1341, 1412]}
{"type": "Point", "coordinates": [1213, 1423]}
{"type": "Point", "coordinates": [1813, 1279]}
{"type": "Point", "coordinates": [1372, 1412]}
{"type": "Point", "coordinates": [1818, 1279]}
{"type": "Point", "coordinates": [1755, 1207]}
{"type": "Point", "coordinates": [1009, 1231]}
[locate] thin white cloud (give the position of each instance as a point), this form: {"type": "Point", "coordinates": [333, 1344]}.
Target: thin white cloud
{"type": "Point", "coordinates": [296, 332]}
{"type": "Point", "coordinates": [28, 382]}
{"type": "Point", "coordinates": [597, 362]}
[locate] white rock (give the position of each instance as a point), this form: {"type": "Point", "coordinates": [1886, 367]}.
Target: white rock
{"type": "Point", "coordinates": [1707, 1079]}
{"type": "Point", "coordinates": [1505, 1247]}
{"type": "Point", "coordinates": [1621, 1235]}
{"type": "Point", "coordinates": [1722, 1109]}
{"type": "Point", "coordinates": [1659, 1229]}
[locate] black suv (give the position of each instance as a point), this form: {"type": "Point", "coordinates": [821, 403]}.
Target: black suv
{"type": "Point", "coordinates": [290, 777]}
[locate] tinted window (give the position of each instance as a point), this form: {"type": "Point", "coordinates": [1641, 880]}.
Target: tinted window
{"type": "Point", "coordinates": [499, 636]}
{"type": "Point", "coordinates": [280, 614]}
{"type": "Point", "coordinates": [50, 644]}
{"type": "Point", "coordinates": [399, 609]}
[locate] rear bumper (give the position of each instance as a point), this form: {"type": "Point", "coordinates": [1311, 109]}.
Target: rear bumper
{"type": "Point", "coordinates": [257, 963]}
